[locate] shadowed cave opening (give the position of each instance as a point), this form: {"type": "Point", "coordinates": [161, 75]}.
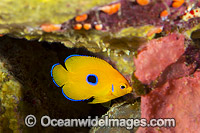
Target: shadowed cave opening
{"type": "Point", "coordinates": [30, 63]}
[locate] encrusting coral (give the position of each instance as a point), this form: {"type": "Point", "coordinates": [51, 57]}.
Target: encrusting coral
{"type": "Point", "coordinates": [161, 35]}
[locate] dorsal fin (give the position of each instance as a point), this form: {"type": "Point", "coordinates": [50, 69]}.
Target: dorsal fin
{"type": "Point", "coordinates": [78, 62]}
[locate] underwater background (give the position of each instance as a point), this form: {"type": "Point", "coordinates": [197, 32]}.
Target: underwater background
{"type": "Point", "coordinates": [153, 43]}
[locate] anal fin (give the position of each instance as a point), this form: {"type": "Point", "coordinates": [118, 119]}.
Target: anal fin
{"type": "Point", "coordinates": [99, 100]}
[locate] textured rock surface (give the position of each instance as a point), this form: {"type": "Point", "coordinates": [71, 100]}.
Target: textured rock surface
{"type": "Point", "coordinates": [156, 55]}
{"type": "Point", "coordinates": [178, 99]}
{"type": "Point", "coordinates": [37, 12]}
{"type": "Point", "coordinates": [121, 110]}
{"type": "Point", "coordinates": [176, 86]}
{"type": "Point", "coordinates": [130, 16]}
{"type": "Point", "coordinates": [25, 83]}
{"type": "Point", "coordinates": [10, 94]}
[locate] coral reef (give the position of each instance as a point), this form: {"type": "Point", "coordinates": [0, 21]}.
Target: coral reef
{"type": "Point", "coordinates": [176, 84]}
{"type": "Point", "coordinates": [175, 99]}
{"type": "Point", "coordinates": [129, 15]}
{"type": "Point", "coordinates": [153, 43]}
{"type": "Point", "coordinates": [139, 16]}
{"type": "Point", "coordinates": [157, 55]}
{"type": "Point", "coordinates": [10, 94]}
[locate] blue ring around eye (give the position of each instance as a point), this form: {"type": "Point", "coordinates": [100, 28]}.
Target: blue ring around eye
{"type": "Point", "coordinates": [91, 83]}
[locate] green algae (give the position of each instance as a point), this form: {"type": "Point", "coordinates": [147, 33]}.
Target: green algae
{"type": "Point", "coordinates": [95, 41]}
{"type": "Point", "coordinates": [36, 12]}
{"type": "Point", "coordinates": [33, 12]}
{"type": "Point", "coordinates": [139, 88]}
{"type": "Point", "coordinates": [18, 15]}
{"type": "Point", "coordinates": [136, 32]}
{"type": "Point", "coordinates": [10, 94]}
{"type": "Point", "coordinates": [189, 32]}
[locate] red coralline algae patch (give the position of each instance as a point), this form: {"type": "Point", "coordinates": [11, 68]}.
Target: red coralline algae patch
{"type": "Point", "coordinates": [156, 55]}
{"type": "Point", "coordinates": [176, 70]}
{"type": "Point", "coordinates": [178, 99]}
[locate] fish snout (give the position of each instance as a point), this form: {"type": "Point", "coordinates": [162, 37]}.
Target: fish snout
{"type": "Point", "coordinates": [129, 90]}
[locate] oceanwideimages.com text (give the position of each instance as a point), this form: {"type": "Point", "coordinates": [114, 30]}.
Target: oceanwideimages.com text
{"type": "Point", "coordinates": [129, 123]}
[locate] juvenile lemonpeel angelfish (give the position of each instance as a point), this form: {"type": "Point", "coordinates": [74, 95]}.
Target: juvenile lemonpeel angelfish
{"type": "Point", "coordinates": [86, 77]}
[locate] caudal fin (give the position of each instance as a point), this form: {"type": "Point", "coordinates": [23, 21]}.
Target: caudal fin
{"type": "Point", "coordinates": [59, 74]}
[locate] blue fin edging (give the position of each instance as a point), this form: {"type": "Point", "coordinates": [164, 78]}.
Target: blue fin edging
{"type": "Point", "coordinates": [76, 55]}
{"type": "Point", "coordinates": [70, 98]}
{"type": "Point", "coordinates": [57, 84]}
{"type": "Point", "coordinates": [52, 73]}
{"type": "Point", "coordinates": [72, 56]}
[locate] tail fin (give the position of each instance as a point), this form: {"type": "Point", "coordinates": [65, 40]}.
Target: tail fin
{"type": "Point", "coordinates": [59, 74]}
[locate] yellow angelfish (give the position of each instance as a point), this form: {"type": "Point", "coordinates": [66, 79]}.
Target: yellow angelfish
{"type": "Point", "coordinates": [86, 77]}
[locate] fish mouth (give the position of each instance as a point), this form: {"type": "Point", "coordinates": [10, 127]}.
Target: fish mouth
{"type": "Point", "coordinates": [128, 90]}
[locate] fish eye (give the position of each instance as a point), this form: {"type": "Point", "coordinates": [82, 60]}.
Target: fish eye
{"type": "Point", "coordinates": [92, 79]}
{"type": "Point", "coordinates": [123, 86]}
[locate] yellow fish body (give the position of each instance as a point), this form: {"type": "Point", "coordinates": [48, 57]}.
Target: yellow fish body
{"type": "Point", "coordinates": [86, 77]}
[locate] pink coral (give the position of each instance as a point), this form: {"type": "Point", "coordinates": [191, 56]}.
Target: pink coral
{"type": "Point", "coordinates": [176, 70]}
{"type": "Point", "coordinates": [179, 99]}
{"type": "Point", "coordinates": [157, 55]}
